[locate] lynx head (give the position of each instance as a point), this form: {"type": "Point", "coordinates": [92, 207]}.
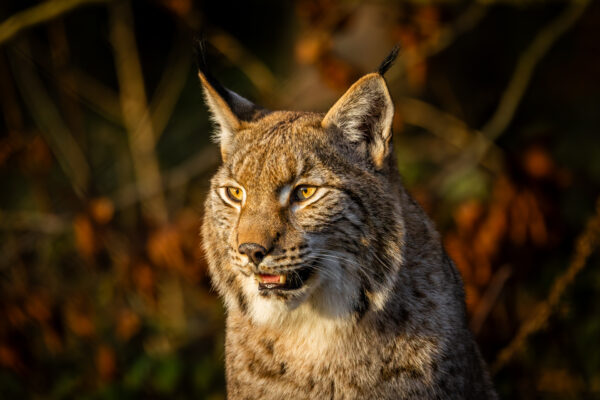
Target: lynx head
{"type": "Point", "coordinates": [303, 214]}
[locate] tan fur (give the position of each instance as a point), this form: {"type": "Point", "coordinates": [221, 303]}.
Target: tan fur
{"type": "Point", "coordinates": [381, 314]}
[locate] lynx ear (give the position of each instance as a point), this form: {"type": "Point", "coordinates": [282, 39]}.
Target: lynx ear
{"type": "Point", "coordinates": [228, 109]}
{"type": "Point", "coordinates": [364, 114]}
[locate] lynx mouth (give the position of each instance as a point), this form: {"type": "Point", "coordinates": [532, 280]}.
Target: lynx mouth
{"type": "Point", "coordinates": [293, 280]}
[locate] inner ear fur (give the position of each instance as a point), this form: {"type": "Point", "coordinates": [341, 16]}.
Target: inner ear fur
{"type": "Point", "coordinates": [364, 114]}
{"type": "Point", "coordinates": [228, 109]}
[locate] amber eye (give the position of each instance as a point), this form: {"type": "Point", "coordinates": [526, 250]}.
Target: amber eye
{"type": "Point", "coordinates": [304, 192]}
{"type": "Point", "coordinates": [235, 194]}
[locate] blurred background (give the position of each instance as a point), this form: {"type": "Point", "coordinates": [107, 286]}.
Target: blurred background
{"type": "Point", "coordinates": [105, 159]}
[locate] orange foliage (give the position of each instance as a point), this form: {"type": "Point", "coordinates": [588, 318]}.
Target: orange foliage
{"type": "Point", "coordinates": [128, 324]}
{"type": "Point", "coordinates": [336, 73]}
{"type": "Point", "coordinates": [311, 47]}
{"type": "Point", "coordinates": [16, 316]}
{"type": "Point", "coordinates": [472, 296]}
{"type": "Point", "coordinates": [143, 278]}
{"type": "Point", "coordinates": [537, 163]}
{"type": "Point", "coordinates": [102, 210]}
{"type": "Point", "coordinates": [427, 19]}
{"type": "Point", "coordinates": [164, 248]}
{"type": "Point", "coordinates": [38, 307]}
{"type": "Point", "coordinates": [9, 358]}
{"type": "Point", "coordinates": [37, 157]}
{"type": "Point", "coordinates": [559, 381]}
{"type": "Point", "coordinates": [78, 320]}
{"type": "Point", "coordinates": [481, 229]}
{"type": "Point", "coordinates": [188, 223]}
{"type": "Point", "coordinates": [416, 68]}
{"type": "Point", "coordinates": [85, 240]}
{"type": "Point", "coordinates": [9, 145]}
{"type": "Point", "coordinates": [105, 362]}
{"type": "Point", "coordinates": [180, 7]}
{"type": "Point", "coordinates": [52, 340]}
{"type": "Point", "coordinates": [467, 214]}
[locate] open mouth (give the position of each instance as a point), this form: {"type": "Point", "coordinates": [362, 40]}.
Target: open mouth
{"type": "Point", "coordinates": [290, 281]}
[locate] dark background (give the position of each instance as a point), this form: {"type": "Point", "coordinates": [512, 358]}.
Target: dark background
{"type": "Point", "coordinates": [105, 158]}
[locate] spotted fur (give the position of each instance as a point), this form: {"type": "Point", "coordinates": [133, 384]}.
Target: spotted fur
{"type": "Point", "coordinates": [380, 311]}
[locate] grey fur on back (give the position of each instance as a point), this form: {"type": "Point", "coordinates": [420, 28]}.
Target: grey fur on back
{"type": "Point", "coordinates": [372, 306]}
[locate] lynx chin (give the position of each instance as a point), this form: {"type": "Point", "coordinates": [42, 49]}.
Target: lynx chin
{"type": "Point", "coordinates": [335, 281]}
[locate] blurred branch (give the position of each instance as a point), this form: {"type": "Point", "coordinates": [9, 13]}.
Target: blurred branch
{"type": "Point", "coordinates": [13, 117]}
{"type": "Point", "coordinates": [174, 178]}
{"type": "Point", "coordinates": [127, 196]}
{"type": "Point", "coordinates": [489, 299]}
{"type": "Point", "coordinates": [96, 96]}
{"type": "Point", "coordinates": [250, 65]}
{"type": "Point", "coordinates": [258, 73]}
{"type": "Point", "coordinates": [48, 119]}
{"type": "Point", "coordinates": [36, 15]}
{"type": "Point", "coordinates": [437, 43]}
{"type": "Point", "coordinates": [61, 59]}
{"type": "Point", "coordinates": [135, 112]}
{"type": "Point", "coordinates": [170, 86]}
{"type": "Point", "coordinates": [514, 92]}
{"type": "Point", "coordinates": [86, 89]}
{"type": "Point", "coordinates": [32, 221]}
{"type": "Point", "coordinates": [105, 101]}
{"type": "Point", "coordinates": [447, 127]}
{"type": "Point", "coordinates": [512, 96]}
{"type": "Point", "coordinates": [585, 244]}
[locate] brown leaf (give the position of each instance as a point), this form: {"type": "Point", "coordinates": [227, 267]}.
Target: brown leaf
{"type": "Point", "coordinates": [311, 47]}
{"type": "Point", "coordinates": [16, 316]}
{"type": "Point", "coordinates": [37, 157]}
{"type": "Point", "coordinates": [472, 297]}
{"type": "Point", "coordinates": [79, 321]}
{"type": "Point", "coordinates": [537, 225]}
{"type": "Point", "coordinates": [51, 339]}
{"type": "Point", "coordinates": [143, 278]}
{"type": "Point", "coordinates": [164, 248]}
{"type": "Point", "coordinates": [128, 324]}
{"type": "Point", "coordinates": [105, 362]}
{"type": "Point", "coordinates": [538, 163]}
{"type": "Point", "coordinates": [85, 240]}
{"type": "Point", "coordinates": [559, 381]}
{"type": "Point", "coordinates": [427, 18]}
{"type": "Point", "coordinates": [519, 218]}
{"type": "Point", "coordinates": [336, 73]}
{"type": "Point", "coordinates": [102, 210]}
{"type": "Point", "coordinates": [38, 307]}
{"type": "Point", "coordinates": [459, 254]}
{"type": "Point", "coordinates": [179, 7]}
{"type": "Point", "coordinates": [466, 215]}
{"type": "Point", "coordinates": [9, 358]}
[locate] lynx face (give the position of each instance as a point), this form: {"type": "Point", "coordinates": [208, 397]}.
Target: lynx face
{"type": "Point", "coordinates": [301, 216]}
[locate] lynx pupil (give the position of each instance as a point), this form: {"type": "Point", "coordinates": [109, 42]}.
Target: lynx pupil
{"type": "Point", "coordinates": [235, 194]}
{"type": "Point", "coordinates": [304, 192]}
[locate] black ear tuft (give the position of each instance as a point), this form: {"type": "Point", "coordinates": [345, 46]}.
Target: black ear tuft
{"type": "Point", "coordinates": [389, 60]}
{"type": "Point", "coordinates": [200, 53]}
{"type": "Point", "coordinates": [243, 109]}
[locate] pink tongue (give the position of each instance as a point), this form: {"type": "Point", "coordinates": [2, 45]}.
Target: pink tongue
{"type": "Point", "coordinates": [270, 278]}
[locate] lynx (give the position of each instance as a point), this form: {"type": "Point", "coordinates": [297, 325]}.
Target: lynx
{"type": "Point", "coordinates": [335, 281]}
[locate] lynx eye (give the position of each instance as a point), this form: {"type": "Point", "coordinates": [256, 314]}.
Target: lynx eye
{"type": "Point", "coordinates": [235, 194]}
{"type": "Point", "coordinates": [304, 192]}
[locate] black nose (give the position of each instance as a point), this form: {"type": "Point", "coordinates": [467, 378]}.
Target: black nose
{"type": "Point", "coordinates": [254, 251]}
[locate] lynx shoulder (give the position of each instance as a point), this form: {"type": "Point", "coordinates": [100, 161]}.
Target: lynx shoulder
{"type": "Point", "coordinates": [335, 281]}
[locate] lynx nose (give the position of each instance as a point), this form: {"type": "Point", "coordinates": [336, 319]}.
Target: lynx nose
{"type": "Point", "coordinates": [254, 251]}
